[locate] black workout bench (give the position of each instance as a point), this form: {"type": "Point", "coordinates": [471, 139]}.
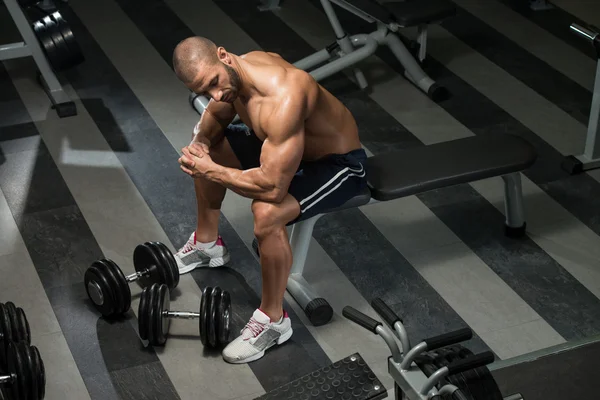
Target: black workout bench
{"type": "Point", "coordinates": [417, 170]}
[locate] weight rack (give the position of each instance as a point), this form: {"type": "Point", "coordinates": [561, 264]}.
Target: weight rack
{"type": "Point", "coordinates": [30, 47]}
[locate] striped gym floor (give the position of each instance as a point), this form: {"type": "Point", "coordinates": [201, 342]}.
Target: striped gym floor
{"type": "Point", "coordinates": [97, 184]}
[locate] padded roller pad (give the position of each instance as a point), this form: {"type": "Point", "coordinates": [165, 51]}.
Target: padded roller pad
{"type": "Point", "coordinates": [349, 378]}
{"type": "Point", "coordinates": [417, 12]}
{"type": "Point", "coordinates": [405, 13]}
{"type": "Point", "coordinates": [407, 172]}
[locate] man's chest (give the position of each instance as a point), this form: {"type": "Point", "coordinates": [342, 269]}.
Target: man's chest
{"type": "Point", "coordinates": [252, 113]}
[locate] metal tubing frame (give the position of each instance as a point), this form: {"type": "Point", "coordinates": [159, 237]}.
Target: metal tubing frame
{"type": "Point", "coordinates": [301, 235]}
{"type": "Point", "coordinates": [384, 35]}
{"type": "Point", "coordinates": [31, 47]}
{"type": "Point", "coordinates": [591, 154]}
{"type": "Point", "coordinates": [513, 200]}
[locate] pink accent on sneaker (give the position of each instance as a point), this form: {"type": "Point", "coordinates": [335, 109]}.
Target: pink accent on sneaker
{"type": "Point", "coordinates": [220, 241]}
{"type": "Point", "coordinates": [195, 237]}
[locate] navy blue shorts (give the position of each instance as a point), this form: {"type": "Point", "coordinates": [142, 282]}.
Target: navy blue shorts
{"type": "Point", "coordinates": [319, 185]}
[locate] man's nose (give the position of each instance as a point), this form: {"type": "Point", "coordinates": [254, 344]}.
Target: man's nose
{"type": "Point", "coordinates": [216, 94]}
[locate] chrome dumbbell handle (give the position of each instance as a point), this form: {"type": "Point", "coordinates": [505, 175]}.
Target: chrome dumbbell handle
{"type": "Point", "coordinates": [137, 275]}
{"type": "Point", "coordinates": [181, 314]}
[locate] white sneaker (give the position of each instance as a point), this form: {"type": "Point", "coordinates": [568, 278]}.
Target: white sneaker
{"type": "Point", "coordinates": [258, 335]}
{"type": "Point", "coordinates": [192, 255]}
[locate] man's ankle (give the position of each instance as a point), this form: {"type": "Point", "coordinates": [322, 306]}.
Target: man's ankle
{"type": "Point", "coordinates": [275, 316]}
{"type": "Point", "coordinates": [203, 238]}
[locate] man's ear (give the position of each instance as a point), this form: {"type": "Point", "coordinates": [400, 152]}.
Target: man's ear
{"type": "Point", "coordinates": [223, 55]}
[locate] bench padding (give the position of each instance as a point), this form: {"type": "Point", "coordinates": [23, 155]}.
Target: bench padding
{"type": "Point", "coordinates": [406, 13]}
{"type": "Point", "coordinates": [416, 170]}
{"type": "Point", "coordinates": [417, 12]}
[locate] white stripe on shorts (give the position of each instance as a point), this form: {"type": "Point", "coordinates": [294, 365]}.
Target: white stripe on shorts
{"type": "Point", "coordinates": [348, 171]}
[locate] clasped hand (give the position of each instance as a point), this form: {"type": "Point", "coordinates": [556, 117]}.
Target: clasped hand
{"type": "Point", "coordinates": [195, 160]}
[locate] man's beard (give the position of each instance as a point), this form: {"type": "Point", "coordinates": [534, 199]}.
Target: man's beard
{"type": "Point", "coordinates": [235, 81]}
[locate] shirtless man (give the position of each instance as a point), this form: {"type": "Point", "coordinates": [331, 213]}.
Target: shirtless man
{"type": "Point", "coordinates": [296, 154]}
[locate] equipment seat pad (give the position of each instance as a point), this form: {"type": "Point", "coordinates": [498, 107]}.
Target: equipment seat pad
{"type": "Point", "coordinates": [420, 169]}
{"type": "Point", "coordinates": [406, 13]}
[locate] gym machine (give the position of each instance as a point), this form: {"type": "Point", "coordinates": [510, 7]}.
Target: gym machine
{"type": "Point", "coordinates": [590, 158]}
{"type": "Point", "coordinates": [50, 42]}
{"type": "Point", "coordinates": [214, 315]}
{"type": "Point", "coordinates": [436, 368]}
{"type": "Point", "coordinates": [108, 287]}
{"type": "Point", "coordinates": [347, 50]}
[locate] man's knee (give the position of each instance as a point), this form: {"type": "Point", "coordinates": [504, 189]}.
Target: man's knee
{"type": "Point", "coordinates": [270, 217]}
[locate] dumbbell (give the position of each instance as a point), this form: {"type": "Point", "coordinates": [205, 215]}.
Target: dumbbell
{"type": "Point", "coordinates": [25, 377]}
{"type": "Point", "coordinates": [214, 315]}
{"type": "Point", "coordinates": [14, 327]}
{"type": "Point", "coordinates": [108, 287]}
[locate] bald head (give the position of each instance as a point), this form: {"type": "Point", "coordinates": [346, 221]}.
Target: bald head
{"type": "Point", "coordinates": [193, 54]}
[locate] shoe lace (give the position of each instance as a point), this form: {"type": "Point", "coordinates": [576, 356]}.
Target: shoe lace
{"type": "Point", "coordinates": [189, 246]}
{"type": "Point", "coordinates": [253, 327]}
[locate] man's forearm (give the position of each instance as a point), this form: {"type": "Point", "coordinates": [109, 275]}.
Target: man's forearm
{"type": "Point", "coordinates": [251, 183]}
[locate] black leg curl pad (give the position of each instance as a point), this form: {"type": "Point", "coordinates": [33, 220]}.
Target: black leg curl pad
{"type": "Point", "coordinates": [213, 316]}
{"type": "Point", "coordinates": [108, 287]}
{"type": "Point", "coordinates": [14, 327]}
{"type": "Point", "coordinates": [25, 376]}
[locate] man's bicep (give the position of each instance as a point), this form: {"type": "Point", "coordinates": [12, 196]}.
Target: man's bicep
{"type": "Point", "coordinates": [280, 158]}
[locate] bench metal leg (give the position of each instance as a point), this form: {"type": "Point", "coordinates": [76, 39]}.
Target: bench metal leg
{"type": "Point", "coordinates": [316, 308]}
{"type": "Point", "coordinates": [412, 69]}
{"type": "Point", "coordinates": [513, 205]}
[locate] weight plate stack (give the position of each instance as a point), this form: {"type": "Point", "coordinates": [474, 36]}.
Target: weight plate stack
{"type": "Point", "coordinates": [158, 259]}
{"type": "Point", "coordinates": [215, 316]}
{"type": "Point", "coordinates": [477, 383]}
{"type": "Point", "coordinates": [107, 287]}
{"type": "Point", "coordinates": [57, 41]}
{"type": "Point", "coordinates": [25, 363]}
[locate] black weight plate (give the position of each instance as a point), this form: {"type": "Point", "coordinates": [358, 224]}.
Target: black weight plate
{"type": "Point", "coordinates": [123, 293]}
{"type": "Point", "coordinates": [11, 310]}
{"type": "Point", "coordinates": [160, 324]}
{"type": "Point", "coordinates": [32, 371]}
{"type": "Point", "coordinates": [144, 314]}
{"type": "Point", "coordinates": [112, 275]}
{"type": "Point", "coordinates": [164, 267]}
{"type": "Point", "coordinates": [40, 30]}
{"type": "Point", "coordinates": [75, 54]}
{"type": "Point", "coordinates": [204, 307]}
{"type": "Point", "coordinates": [6, 335]}
{"type": "Point", "coordinates": [151, 307]}
{"type": "Point", "coordinates": [174, 268]}
{"type": "Point", "coordinates": [145, 258]}
{"type": "Point", "coordinates": [24, 325]}
{"type": "Point", "coordinates": [212, 318]}
{"type": "Point", "coordinates": [17, 356]}
{"type": "Point", "coordinates": [95, 276]}
{"type": "Point", "coordinates": [41, 378]}
{"type": "Point", "coordinates": [224, 317]}
{"type": "Point", "coordinates": [62, 52]}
